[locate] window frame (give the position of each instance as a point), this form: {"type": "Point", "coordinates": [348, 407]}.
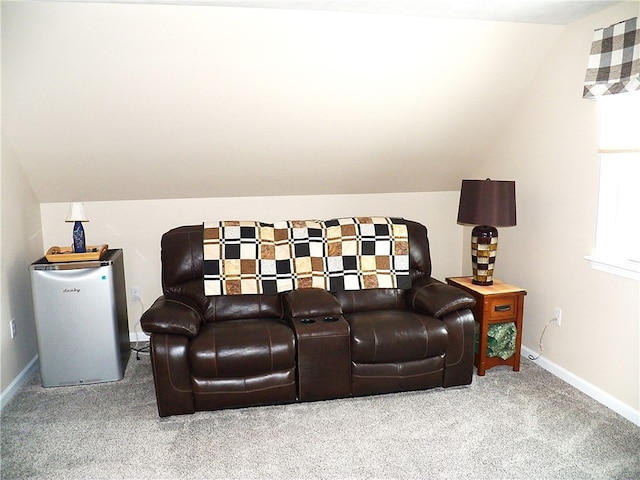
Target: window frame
{"type": "Point", "coordinates": [618, 197]}
{"type": "Point", "coordinates": [616, 231]}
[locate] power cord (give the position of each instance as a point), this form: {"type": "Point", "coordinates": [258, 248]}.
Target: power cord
{"type": "Point", "coordinates": [141, 348]}
{"type": "Point", "coordinates": [531, 357]}
{"type": "Point", "coordinates": [145, 349]}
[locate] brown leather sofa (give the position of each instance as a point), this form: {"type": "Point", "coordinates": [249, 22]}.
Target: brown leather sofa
{"type": "Point", "coordinates": [214, 352]}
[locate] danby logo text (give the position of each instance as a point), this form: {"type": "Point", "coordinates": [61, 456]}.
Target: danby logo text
{"type": "Point", "coordinates": [71, 290]}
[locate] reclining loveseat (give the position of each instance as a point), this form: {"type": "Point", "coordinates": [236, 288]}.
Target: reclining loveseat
{"type": "Point", "coordinates": [255, 313]}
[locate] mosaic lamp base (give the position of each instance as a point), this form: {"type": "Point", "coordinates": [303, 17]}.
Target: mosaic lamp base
{"type": "Point", "coordinates": [484, 245]}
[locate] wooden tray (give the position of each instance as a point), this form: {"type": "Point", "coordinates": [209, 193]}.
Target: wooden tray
{"type": "Point", "coordinates": [65, 254]}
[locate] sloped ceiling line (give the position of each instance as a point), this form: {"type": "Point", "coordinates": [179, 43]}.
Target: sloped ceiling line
{"type": "Point", "coordinates": [125, 102]}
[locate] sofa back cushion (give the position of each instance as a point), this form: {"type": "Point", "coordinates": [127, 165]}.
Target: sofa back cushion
{"type": "Point", "coordinates": [182, 277]}
{"type": "Point", "coordinates": [370, 300]}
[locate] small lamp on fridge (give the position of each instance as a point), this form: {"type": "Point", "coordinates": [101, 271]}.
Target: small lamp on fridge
{"type": "Point", "coordinates": [77, 216]}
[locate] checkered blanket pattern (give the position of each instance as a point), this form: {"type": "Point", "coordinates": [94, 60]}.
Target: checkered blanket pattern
{"type": "Point", "coordinates": [614, 62]}
{"type": "Point", "coordinates": [246, 257]}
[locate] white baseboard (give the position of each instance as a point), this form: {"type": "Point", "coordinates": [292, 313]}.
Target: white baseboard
{"type": "Point", "coordinates": [138, 337]}
{"type": "Point", "coordinates": [13, 387]}
{"type": "Point", "coordinates": [585, 387]}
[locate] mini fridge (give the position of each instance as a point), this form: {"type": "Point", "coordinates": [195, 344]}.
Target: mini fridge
{"type": "Point", "coordinates": [81, 320]}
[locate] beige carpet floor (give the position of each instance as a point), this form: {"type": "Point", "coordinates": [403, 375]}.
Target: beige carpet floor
{"type": "Point", "coordinates": [506, 425]}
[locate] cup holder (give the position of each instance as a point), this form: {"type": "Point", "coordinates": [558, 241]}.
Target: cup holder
{"type": "Point", "coordinates": [328, 319]}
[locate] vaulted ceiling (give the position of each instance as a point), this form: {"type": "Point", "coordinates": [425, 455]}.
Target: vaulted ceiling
{"type": "Point", "coordinates": [558, 12]}
{"type": "Point", "coordinates": [129, 101]}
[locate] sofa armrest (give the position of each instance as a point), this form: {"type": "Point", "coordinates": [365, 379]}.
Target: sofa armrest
{"type": "Point", "coordinates": [435, 298]}
{"type": "Point", "coordinates": [310, 302]}
{"type": "Point", "coordinates": [171, 316]}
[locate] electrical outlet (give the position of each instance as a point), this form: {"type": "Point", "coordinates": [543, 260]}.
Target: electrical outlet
{"type": "Point", "coordinates": [135, 293]}
{"type": "Point", "coordinates": [557, 316]}
{"type": "Point", "coordinates": [12, 328]}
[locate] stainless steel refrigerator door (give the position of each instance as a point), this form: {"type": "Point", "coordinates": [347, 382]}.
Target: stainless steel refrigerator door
{"type": "Point", "coordinates": [76, 324]}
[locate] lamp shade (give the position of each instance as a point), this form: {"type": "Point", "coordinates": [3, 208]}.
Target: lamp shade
{"type": "Point", "coordinates": [76, 213]}
{"type": "Point", "coordinates": [488, 202]}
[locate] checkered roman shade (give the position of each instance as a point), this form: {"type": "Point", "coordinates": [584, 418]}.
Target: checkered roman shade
{"type": "Point", "coordinates": [243, 257]}
{"type": "Point", "coordinates": [614, 62]}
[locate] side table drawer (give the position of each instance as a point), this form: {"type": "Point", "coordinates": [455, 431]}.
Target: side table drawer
{"type": "Point", "coordinates": [503, 307]}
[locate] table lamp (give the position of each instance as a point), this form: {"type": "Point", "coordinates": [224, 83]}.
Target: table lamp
{"type": "Point", "coordinates": [76, 215]}
{"type": "Point", "coordinates": [487, 204]}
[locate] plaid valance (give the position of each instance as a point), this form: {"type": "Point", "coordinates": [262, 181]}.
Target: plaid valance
{"type": "Point", "coordinates": [242, 257]}
{"type": "Point", "coordinates": [614, 62]}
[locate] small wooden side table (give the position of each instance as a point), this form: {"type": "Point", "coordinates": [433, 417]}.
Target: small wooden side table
{"type": "Point", "coordinates": [497, 303]}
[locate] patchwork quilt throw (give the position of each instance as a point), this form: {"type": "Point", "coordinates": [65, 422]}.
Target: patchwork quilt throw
{"type": "Point", "coordinates": [246, 257]}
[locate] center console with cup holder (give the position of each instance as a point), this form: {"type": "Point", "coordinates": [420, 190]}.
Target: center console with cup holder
{"type": "Point", "coordinates": [323, 344]}
{"type": "Point", "coordinates": [324, 358]}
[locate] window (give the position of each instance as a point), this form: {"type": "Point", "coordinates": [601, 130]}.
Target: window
{"type": "Point", "coordinates": [618, 228]}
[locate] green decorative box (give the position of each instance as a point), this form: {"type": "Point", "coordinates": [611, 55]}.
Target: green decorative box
{"type": "Point", "coordinates": [501, 340]}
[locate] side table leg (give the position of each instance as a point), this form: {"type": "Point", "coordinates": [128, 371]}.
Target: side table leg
{"type": "Point", "coordinates": [482, 348]}
{"type": "Point", "coordinates": [520, 313]}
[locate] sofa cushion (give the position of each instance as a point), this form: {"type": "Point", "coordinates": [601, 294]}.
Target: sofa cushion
{"type": "Point", "coordinates": [238, 348]}
{"type": "Point", "coordinates": [392, 336]}
{"type": "Point", "coordinates": [238, 307]}
{"type": "Point", "coordinates": [372, 300]}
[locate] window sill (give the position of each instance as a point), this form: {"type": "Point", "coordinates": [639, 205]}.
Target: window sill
{"type": "Point", "coordinates": [621, 268]}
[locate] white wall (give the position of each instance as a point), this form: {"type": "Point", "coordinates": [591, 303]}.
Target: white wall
{"type": "Point", "coordinates": [20, 244]}
{"type": "Point", "coordinates": [133, 102]}
{"type": "Point", "coordinates": [550, 148]}
{"type": "Point", "coordinates": [136, 226]}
